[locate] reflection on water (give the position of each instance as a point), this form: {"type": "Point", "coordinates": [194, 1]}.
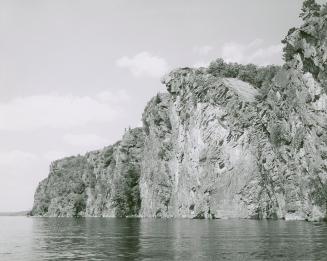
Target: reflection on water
{"type": "Point", "coordinates": [149, 239]}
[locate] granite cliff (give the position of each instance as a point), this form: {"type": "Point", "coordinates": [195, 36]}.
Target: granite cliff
{"type": "Point", "coordinates": [227, 141]}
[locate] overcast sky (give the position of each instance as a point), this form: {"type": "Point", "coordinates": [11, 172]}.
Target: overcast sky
{"type": "Point", "coordinates": [74, 74]}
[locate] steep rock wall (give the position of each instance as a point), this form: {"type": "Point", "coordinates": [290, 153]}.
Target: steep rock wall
{"type": "Point", "coordinates": [205, 158]}
{"type": "Point", "coordinates": [227, 141]}
{"type": "Point", "coordinates": [239, 150]}
{"type": "Point", "coordinates": [93, 184]}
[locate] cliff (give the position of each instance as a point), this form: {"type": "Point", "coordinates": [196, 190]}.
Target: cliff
{"type": "Point", "coordinates": [227, 141]}
{"type": "Point", "coordinates": [100, 183]}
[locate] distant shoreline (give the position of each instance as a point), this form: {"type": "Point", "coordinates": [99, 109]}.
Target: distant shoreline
{"type": "Point", "coordinates": [14, 214]}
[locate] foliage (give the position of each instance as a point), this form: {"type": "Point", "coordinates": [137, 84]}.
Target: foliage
{"type": "Point", "coordinates": [67, 182]}
{"type": "Point", "coordinates": [79, 204]}
{"type": "Point", "coordinates": [92, 181]}
{"type": "Point", "coordinates": [310, 8]}
{"type": "Point", "coordinates": [324, 9]}
{"type": "Point", "coordinates": [127, 194]}
{"type": "Point", "coordinates": [276, 134]}
{"type": "Point", "coordinates": [78, 187]}
{"type": "Point", "coordinates": [288, 50]}
{"type": "Point", "coordinates": [319, 192]}
{"type": "Point", "coordinates": [42, 207]}
{"type": "Point", "coordinates": [146, 126]}
{"type": "Point", "coordinates": [250, 73]}
{"type": "Point", "coordinates": [164, 151]}
{"type": "Point", "coordinates": [157, 99]}
{"type": "Point", "coordinates": [156, 114]}
{"type": "Point", "coordinates": [108, 156]}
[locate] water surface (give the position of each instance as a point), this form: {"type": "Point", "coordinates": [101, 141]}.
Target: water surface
{"type": "Point", "coordinates": [34, 239]}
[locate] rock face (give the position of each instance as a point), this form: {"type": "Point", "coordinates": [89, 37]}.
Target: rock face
{"type": "Point", "coordinates": [227, 141]}
{"type": "Point", "coordinates": [94, 184]}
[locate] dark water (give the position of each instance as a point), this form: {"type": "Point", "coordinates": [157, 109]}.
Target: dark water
{"type": "Point", "coordinates": [35, 239]}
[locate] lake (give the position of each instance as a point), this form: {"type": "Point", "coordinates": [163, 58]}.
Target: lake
{"type": "Point", "coordinates": [23, 238]}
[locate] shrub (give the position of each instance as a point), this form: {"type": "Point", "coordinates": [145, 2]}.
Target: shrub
{"type": "Point", "coordinates": [276, 135]}
{"type": "Point", "coordinates": [250, 73]}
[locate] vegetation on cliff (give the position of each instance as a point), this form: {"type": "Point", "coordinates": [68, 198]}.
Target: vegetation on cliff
{"type": "Point", "coordinates": [255, 75]}
{"type": "Point", "coordinates": [127, 199]}
{"type": "Point", "coordinates": [226, 141]}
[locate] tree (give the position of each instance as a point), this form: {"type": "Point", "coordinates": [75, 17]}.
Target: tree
{"type": "Point", "coordinates": [216, 67]}
{"type": "Point", "coordinates": [310, 8]}
{"type": "Point", "coordinates": [288, 50]}
{"type": "Point", "coordinates": [319, 193]}
{"type": "Point", "coordinates": [127, 198]}
{"type": "Point", "coordinates": [79, 204]}
{"type": "Point", "coordinates": [253, 74]}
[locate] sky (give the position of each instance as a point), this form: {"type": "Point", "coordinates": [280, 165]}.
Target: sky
{"type": "Point", "coordinates": [75, 74]}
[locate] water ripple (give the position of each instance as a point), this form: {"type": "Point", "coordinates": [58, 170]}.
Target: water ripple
{"type": "Point", "coordinates": [33, 239]}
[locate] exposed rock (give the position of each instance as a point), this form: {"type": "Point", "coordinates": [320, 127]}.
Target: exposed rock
{"type": "Point", "coordinates": [92, 185]}
{"type": "Point", "coordinates": [229, 141]}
